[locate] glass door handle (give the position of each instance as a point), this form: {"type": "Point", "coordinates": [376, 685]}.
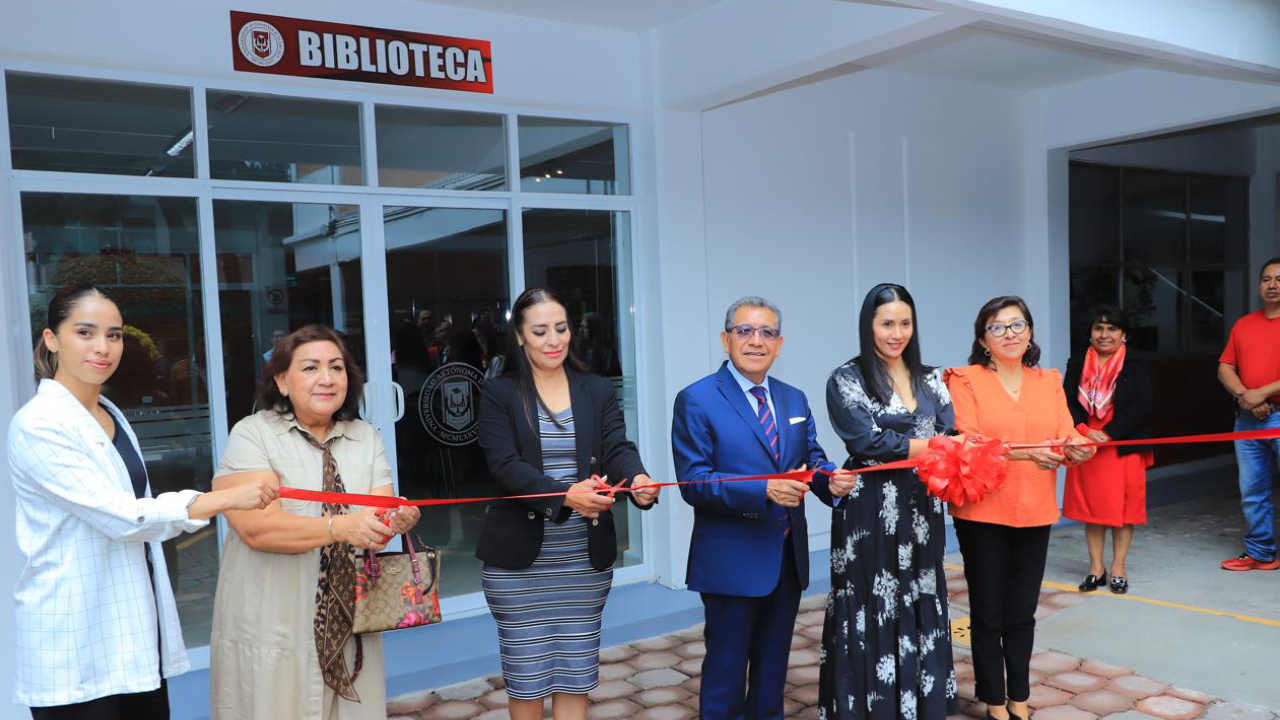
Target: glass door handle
{"type": "Point", "coordinates": [399, 404]}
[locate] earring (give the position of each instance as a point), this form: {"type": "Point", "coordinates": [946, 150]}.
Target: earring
{"type": "Point", "coordinates": [988, 352]}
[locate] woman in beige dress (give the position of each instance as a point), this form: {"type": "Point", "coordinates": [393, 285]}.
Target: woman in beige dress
{"type": "Point", "coordinates": [282, 645]}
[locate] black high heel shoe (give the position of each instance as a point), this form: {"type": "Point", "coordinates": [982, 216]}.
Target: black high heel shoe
{"type": "Point", "coordinates": [1119, 585]}
{"type": "Point", "coordinates": [1093, 582]}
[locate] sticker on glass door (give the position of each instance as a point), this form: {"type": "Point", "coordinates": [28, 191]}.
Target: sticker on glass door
{"type": "Point", "coordinates": [447, 404]}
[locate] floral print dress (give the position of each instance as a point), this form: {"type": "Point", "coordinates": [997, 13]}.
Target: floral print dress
{"type": "Point", "coordinates": [886, 641]}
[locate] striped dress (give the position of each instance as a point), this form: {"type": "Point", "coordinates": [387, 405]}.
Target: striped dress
{"type": "Point", "coordinates": [548, 614]}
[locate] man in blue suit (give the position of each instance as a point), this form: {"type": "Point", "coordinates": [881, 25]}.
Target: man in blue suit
{"type": "Point", "coordinates": [750, 552]}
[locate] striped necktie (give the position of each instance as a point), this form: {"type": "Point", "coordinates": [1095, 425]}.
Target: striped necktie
{"type": "Point", "coordinates": [767, 421]}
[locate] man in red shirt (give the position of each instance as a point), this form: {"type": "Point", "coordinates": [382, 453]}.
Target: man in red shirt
{"type": "Point", "coordinates": [1249, 369]}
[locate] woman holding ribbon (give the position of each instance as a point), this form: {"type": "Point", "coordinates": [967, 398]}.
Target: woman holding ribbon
{"type": "Point", "coordinates": [547, 426]}
{"type": "Point", "coordinates": [887, 637]}
{"type": "Point", "coordinates": [1004, 537]}
{"type": "Point", "coordinates": [1109, 394]}
{"type": "Point", "coordinates": [96, 625]}
{"type": "Point", "coordinates": [282, 617]}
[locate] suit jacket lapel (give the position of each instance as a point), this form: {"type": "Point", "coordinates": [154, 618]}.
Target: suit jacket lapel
{"type": "Point", "coordinates": [88, 427]}
{"type": "Point", "coordinates": [528, 437]}
{"type": "Point", "coordinates": [738, 401]}
{"type": "Point", "coordinates": [583, 421]}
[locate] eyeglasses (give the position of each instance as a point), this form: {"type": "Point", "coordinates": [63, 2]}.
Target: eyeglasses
{"type": "Point", "coordinates": [1017, 326]}
{"type": "Point", "coordinates": [744, 332]}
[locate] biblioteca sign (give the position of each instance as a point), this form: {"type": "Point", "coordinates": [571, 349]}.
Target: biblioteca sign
{"type": "Point", "coordinates": [313, 48]}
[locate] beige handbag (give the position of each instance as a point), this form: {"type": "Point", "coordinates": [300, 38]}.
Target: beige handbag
{"type": "Point", "coordinates": [397, 590]}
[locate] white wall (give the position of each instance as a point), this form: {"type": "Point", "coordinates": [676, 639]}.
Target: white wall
{"type": "Point", "coordinates": [814, 194]}
{"type": "Point", "coordinates": [1239, 34]}
{"type": "Point", "coordinates": [535, 62]}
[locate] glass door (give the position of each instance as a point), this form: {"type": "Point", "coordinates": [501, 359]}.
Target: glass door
{"type": "Point", "coordinates": [447, 296]}
{"type": "Point", "coordinates": [282, 265]}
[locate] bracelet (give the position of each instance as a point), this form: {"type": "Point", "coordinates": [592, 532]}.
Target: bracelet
{"type": "Point", "coordinates": [331, 539]}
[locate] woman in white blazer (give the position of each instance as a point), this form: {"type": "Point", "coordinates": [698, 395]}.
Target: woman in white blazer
{"type": "Point", "coordinates": [97, 627]}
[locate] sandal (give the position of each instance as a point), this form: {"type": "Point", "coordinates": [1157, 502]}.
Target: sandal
{"type": "Point", "coordinates": [1119, 585]}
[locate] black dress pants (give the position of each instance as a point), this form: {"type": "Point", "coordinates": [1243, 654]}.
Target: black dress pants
{"type": "Point", "coordinates": [151, 705]}
{"type": "Point", "coordinates": [1004, 567]}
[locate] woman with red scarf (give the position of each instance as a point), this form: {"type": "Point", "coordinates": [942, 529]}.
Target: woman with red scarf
{"type": "Point", "coordinates": [1109, 395]}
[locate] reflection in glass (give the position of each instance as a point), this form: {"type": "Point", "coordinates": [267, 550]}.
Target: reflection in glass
{"type": "Point", "coordinates": [440, 149]}
{"type": "Point", "coordinates": [584, 256]}
{"type": "Point", "coordinates": [145, 251]}
{"type": "Point", "coordinates": [448, 294]}
{"type": "Point", "coordinates": [1155, 214]}
{"type": "Point", "coordinates": [1214, 297]}
{"type": "Point", "coordinates": [73, 125]}
{"type": "Point", "coordinates": [283, 139]}
{"type": "Point", "coordinates": [1154, 299]}
{"type": "Point", "coordinates": [1219, 220]}
{"type": "Point", "coordinates": [573, 156]}
{"type": "Point", "coordinates": [282, 266]}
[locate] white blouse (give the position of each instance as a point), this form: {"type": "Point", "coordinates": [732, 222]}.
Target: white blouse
{"type": "Point", "coordinates": [86, 614]}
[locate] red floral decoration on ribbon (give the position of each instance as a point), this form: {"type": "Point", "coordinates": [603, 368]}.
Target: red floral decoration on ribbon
{"type": "Point", "coordinates": [957, 473]}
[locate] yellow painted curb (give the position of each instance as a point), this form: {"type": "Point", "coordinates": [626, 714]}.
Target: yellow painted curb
{"type": "Point", "coordinates": [1149, 601]}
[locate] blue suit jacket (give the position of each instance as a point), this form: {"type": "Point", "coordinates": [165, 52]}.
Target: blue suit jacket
{"type": "Point", "coordinates": [737, 540]}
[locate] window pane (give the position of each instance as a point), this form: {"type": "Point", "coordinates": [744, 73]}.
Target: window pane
{"type": "Point", "coordinates": [1154, 301]}
{"type": "Point", "coordinates": [281, 139]}
{"type": "Point", "coordinates": [1094, 224]}
{"type": "Point", "coordinates": [73, 125]}
{"type": "Point", "coordinates": [1219, 220]}
{"type": "Point", "coordinates": [1155, 217]}
{"type": "Point", "coordinates": [440, 149]}
{"type": "Point", "coordinates": [584, 255]}
{"type": "Point", "coordinates": [570, 156]}
{"type": "Point", "coordinates": [282, 266]}
{"type": "Point", "coordinates": [447, 290]}
{"type": "Point", "coordinates": [145, 250]}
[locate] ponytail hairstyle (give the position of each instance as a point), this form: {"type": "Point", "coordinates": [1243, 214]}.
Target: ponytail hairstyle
{"type": "Point", "coordinates": [516, 363]}
{"type": "Point", "coordinates": [61, 305]}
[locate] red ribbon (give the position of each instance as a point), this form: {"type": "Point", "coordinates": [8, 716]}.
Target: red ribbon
{"type": "Point", "coordinates": [1267, 434]}
{"type": "Point", "coordinates": [387, 501]}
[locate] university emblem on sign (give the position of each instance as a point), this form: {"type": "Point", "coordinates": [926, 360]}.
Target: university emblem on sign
{"type": "Point", "coordinates": [447, 404]}
{"type": "Point", "coordinates": [261, 43]}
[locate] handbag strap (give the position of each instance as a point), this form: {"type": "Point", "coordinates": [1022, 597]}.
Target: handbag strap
{"type": "Point", "coordinates": [373, 569]}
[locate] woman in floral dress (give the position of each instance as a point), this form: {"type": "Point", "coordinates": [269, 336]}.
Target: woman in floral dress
{"type": "Point", "coordinates": [886, 642]}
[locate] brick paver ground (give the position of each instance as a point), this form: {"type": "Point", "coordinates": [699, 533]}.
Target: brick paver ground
{"type": "Point", "coordinates": [658, 679]}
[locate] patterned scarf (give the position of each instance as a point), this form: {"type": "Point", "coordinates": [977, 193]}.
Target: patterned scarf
{"type": "Point", "coordinates": [336, 592]}
{"type": "Point", "coordinates": [1098, 382]}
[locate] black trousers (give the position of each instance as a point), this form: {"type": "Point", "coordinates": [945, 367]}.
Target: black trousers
{"type": "Point", "coordinates": [1004, 567]}
{"type": "Point", "coordinates": [151, 705]}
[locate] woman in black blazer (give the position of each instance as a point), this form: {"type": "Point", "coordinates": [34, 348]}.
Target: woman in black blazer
{"type": "Point", "coordinates": [547, 426]}
{"type": "Point", "coordinates": [1109, 395]}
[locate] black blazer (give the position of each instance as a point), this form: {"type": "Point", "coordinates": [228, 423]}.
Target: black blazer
{"type": "Point", "coordinates": [1132, 401]}
{"type": "Point", "coordinates": [512, 534]}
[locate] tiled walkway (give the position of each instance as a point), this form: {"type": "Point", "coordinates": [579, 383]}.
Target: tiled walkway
{"type": "Point", "coordinates": [658, 679]}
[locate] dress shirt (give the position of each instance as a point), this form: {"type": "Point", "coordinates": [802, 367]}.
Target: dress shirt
{"type": "Point", "coordinates": [746, 386]}
{"type": "Point", "coordinates": [85, 605]}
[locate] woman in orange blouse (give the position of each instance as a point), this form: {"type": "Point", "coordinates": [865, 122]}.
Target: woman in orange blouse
{"type": "Point", "coordinates": [1005, 538]}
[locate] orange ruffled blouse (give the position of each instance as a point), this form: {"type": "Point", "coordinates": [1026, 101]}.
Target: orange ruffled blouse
{"type": "Point", "coordinates": [1029, 496]}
